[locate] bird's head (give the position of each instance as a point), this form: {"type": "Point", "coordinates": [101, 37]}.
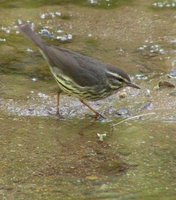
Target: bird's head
{"type": "Point", "coordinates": [118, 78]}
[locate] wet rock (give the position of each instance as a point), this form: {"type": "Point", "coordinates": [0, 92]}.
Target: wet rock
{"type": "Point", "coordinates": [122, 95]}
{"type": "Point", "coordinates": [45, 32]}
{"type": "Point", "coordinates": [172, 74]}
{"type": "Point", "coordinates": [101, 136]}
{"type": "Point", "coordinates": [123, 112]}
{"type": "Point", "coordinates": [2, 40]}
{"type": "Point", "coordinates": [58, 35]}
{"type": "Point", "coordinates": [31, 109]}
{"type": "Point", "coordinates": [6, 30]}
{"type": "Point", "coordinates": [34, 79]}
{"type": "Point", "coordinates": [50, 15]}
{"type": "Point", "coordinates": [165, 84]}
{"type": "Point", "coordinates": [148, 93]}
{"type": "Point", "coordinates": [120, 51]}
{"type": "Point", "coordinates": [141, 77]}
{"type": "Point", "coordinates": [150, 49]}
{"type": "Point", "coordinates": [173, 94]}
{"type": "Point", "coordinates": [93, 2]}
{"type": "Point", "coordinates": [92, 178]}
{"type": "Point", "coordinates": [164, 4]}
{"type": "Point", "coordinates": [148, 106]}
{"type": "Point", "coordinates": [64, 38]}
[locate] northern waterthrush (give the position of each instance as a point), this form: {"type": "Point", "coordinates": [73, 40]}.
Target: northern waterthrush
{"type": "Point", "coordinates": [78, 75]}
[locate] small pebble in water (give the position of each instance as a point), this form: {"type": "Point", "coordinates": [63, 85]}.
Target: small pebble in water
{"type": "Point", "coordinates": [29, 50]}
{"type": "Point", "coordinates": [123, 112]}
{"type": "Point", "coordinates": [2, 40]}
{"type": "Point", "coordinates": [122, 95]}
{"type": "Point", "coordinates": [20, 21]}
{"type": "Point", "coordinates": [50, 15]}
{"type": "Point", "coordinates": [58, 13]}
{"type": "Point", "coordinates": [42, 16]}
{"type": "Point", "coordinates": [148, 93]}
{"type": "Point", "coordinates": [148, 106]}
{"type": "Point", "coordinates": [42, 95]}
{"type": "Point", "coordinates": [172, 74]}
{"type": "Point", "coordinates": [59, 31]}
{"type": "Point", "coordinates": [69, 36]}
{"type": "Point", "coordinates": [173, 41]}
{"type": "Point", "coordinates": [34, 79]}
{"type": "Point", "coordinates": [45, 32]}
{"type": "Point", "coordinates": [93, 1]}
{"type": "Point", "coordinates": [151, 49]}
{"type": "Point", "coordinates": [165, 84]}
{"type": "Point", "coordinates": [173, 94]}
{"type": "Point", "coordinates": [101, 136]}
{"type": "Point", "coordinates": [6, 29]}
{"type": "Point", "coordinates": [65, 37]}
{"type": "Point", "coordinates": [141, 77]}
{"type": "Point", "coordinates": [165, 4]}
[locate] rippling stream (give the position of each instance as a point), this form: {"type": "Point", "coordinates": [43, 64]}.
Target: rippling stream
{"type": "Point", "coordinates": [130, 154]}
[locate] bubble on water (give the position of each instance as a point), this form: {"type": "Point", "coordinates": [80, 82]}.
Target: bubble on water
{"type": "Point", "coordinates": [123, 112]}
{"type": "Point", "coordinates": [42, 95]}
{"type": "Point", "coordinates": [19, 21]}
{"type": "Point", "coordinates": [34, 79]}
{"type": "Point", "coordinates": [58, 13]}
{"type": "Point", "coordinates": [69, 36]}
{"type": "Point", "coordinates": [45, 32]}
{"type": "Point", "coordinates": [93, 1]}
{"type": "Point", "coordinates": [6, 29]}
{"type": "Point", "coordinates": [141, 76]}
{"type": "Point", "coordinates": [64, 38]}
{"type": "Point", "coordinates": [151, 48]}
{"type": "Point", "coordinates": [165, 4]}
{"type": "Point", "coordinates": [173, 41]}
{"type": "Point", "coordinates": [58, 34]}
{"type": "Point", "coordinates": [59, 31]}
{"type": "Point", "coordinates": [174, 64]}
{"type": "Point", "coordinates": [29, 50]}
{"type": "Point", "coordinates": [2, 40]}
{"type": "Point", "coordinates": [101, 136]}
{"type": "Point", "coordinates": [42, 16]}
{"type": "Point", "coordinates": [48, 15]}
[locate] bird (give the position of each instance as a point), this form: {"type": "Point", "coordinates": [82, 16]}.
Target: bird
{"type": "Point", "coordinates": [78, 75]}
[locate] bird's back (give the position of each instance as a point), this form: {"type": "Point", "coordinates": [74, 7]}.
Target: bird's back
{"type": "Point", "coordinates": [78, 74]}
{"type": "Point", "coordinates": [84, 70]}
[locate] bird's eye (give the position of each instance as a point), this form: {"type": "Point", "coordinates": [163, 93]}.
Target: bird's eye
{"type": "Point", "coordinates": [120, 79]}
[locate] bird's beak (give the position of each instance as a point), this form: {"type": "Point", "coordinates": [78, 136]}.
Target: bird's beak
{"type": "Point", "coordinates": [129, 84]}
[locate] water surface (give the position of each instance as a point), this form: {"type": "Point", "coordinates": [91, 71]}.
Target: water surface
{"type": "Point", "coordinates": [43, 157]}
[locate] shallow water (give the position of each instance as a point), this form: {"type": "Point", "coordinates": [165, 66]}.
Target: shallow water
{"type": "Point", "coordinates": [129, 155]}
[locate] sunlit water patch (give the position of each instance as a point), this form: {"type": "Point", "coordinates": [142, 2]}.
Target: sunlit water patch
{"type": "Point", "coordinates": [151, 49]}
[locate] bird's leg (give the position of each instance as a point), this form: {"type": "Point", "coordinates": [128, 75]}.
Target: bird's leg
{"type": "Point", "coordinates": [97, 114]}
{"type": "Point", "coordinates": [58, 103]}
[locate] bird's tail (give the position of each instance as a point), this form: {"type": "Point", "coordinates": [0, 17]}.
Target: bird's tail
{"type": "Point", "coordinates": [27, 31]}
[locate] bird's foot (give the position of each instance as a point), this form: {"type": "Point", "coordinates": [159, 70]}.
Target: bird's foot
{"type": "Point", "coordinates": [59, 115]}
{"type": "Point", "coordinates": [99, 116]}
